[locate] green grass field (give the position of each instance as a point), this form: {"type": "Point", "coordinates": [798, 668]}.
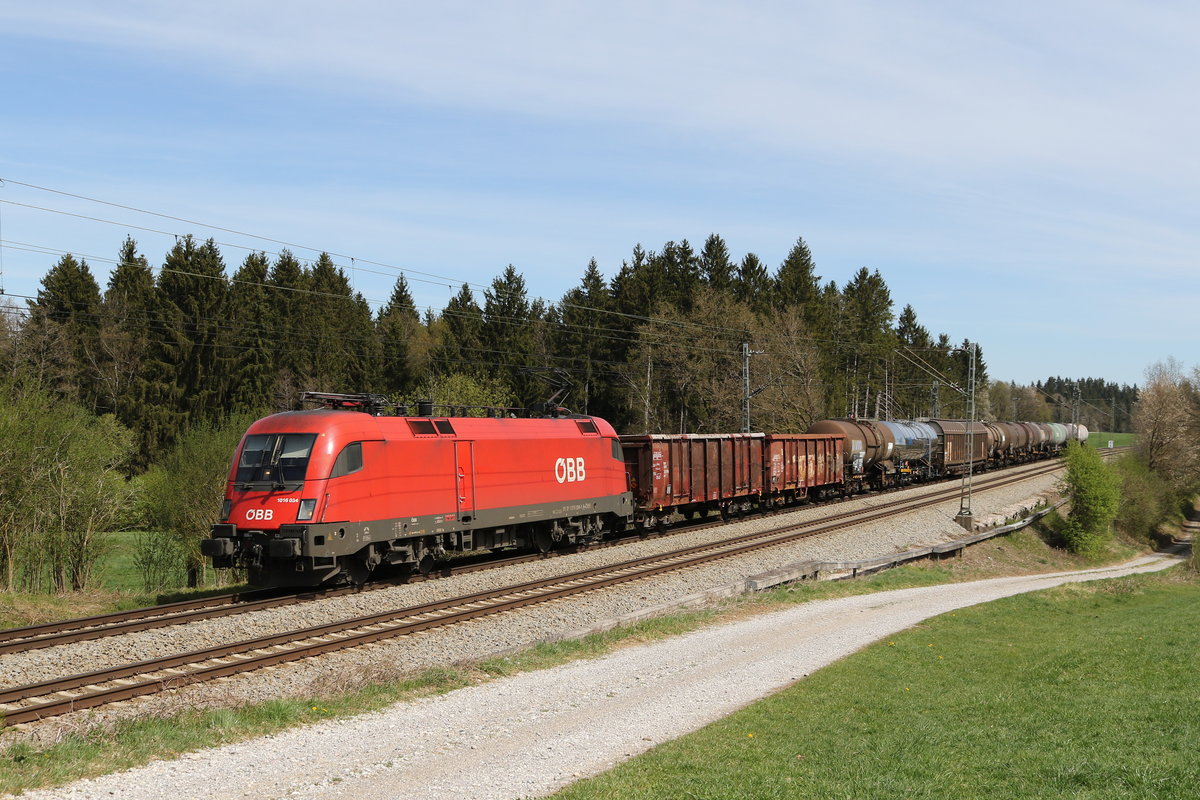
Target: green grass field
{"type": "Point", "coordinates": [117, 586]}
{"type": "Point", "coordinates": [1101, 439]}
{"type": "Point", "coordinates": [1087, 690]}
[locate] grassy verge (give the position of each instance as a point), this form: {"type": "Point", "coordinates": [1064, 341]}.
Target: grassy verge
{"type": "Point", "coordinates": [1101, 439]}
{"type": "Point", "coordinates": [99, 750]}
{"type": "Point", "coordinates": [1086, 690]}
{"type": "Point", "coordinates": [118, 587]}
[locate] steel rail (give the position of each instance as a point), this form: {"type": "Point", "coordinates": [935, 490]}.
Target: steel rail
{"type": "Point", "coordinates": [53, 634]}
{"type": "Point", "coordinates": [164, 673]}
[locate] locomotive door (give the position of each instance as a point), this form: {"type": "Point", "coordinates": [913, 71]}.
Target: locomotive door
{"type": "Point", "coordinates": [464, 478]}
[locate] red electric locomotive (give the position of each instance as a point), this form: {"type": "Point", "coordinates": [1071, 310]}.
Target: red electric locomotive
{"type": "Point", "coordinates": [334, 493]}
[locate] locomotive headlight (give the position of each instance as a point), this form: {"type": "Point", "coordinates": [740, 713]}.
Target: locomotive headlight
{"type": "Point", "coordinates": [226, 507]}
{"type": "Point", "coordinates": [307, 507]}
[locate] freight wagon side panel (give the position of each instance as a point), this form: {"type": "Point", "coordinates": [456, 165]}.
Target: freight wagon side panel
{"type": "Point", "coordinates": [678, 470]}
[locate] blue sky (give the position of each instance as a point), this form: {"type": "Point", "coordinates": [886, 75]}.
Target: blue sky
{"type": "Point", "coordinates": [1025, 174]}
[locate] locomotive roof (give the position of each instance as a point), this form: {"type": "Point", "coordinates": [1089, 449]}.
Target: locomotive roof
{"type": "Point", "coordinates": [352, 425]}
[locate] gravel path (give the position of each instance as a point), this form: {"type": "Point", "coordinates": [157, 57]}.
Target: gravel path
{"type": "Point", "coordinates": [481, 638]}
{"type": "Point", "coordinates": [533, 733]}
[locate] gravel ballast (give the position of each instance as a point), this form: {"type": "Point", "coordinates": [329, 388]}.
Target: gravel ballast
{"type": "Point", "coordinates": [533, 733]}
{"type": "Point", "coordinates": [484, 637]}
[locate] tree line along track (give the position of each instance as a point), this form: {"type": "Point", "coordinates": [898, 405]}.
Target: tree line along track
{"type": "Point", "coordinates": [53, 634]}
{"type": "Point", "coordinates": [60, 696]}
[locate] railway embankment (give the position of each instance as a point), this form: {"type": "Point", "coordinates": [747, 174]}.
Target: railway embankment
{"type": "Point", "coordinates": [379, 662]}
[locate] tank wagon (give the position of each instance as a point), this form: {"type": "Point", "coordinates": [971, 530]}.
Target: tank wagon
{"type": "Point", "coordinates": [879, 454]}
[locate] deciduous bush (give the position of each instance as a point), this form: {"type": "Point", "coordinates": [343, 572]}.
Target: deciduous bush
{"type": "Point", "coordinates": [61, 486]}
{"type": "Point", "coordinates": [183, 495]}
{"type": "Point", "coordinates": [1095, 493]}
{"type": "Point", "coordinates": [1146, 497]}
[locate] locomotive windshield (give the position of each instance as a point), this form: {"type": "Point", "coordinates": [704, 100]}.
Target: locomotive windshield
{"type": "Point", "coordinates": [275, 458]}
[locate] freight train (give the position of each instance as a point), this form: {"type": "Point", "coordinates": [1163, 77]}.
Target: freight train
{"type": "Point", "coordinates": [334, 494]}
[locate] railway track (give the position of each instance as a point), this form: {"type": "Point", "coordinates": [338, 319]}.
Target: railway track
{"type": "Point", "coordinates": [53, 634]}
{"type": "Point", "coordinates": [60, 696]}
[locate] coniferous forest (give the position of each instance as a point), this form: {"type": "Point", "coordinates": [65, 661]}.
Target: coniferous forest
{"type": "Point", "coordinates": [157, 372]}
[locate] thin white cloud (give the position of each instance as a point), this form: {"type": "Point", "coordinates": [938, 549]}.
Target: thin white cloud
{"type": "Point", "coordinates": [1088, 85]}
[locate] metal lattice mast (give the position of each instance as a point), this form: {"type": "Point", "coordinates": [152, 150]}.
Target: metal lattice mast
{"type": "Point", "coordinates": [964, 508]}
{"type": "Point", "coordinates": [745, 387]}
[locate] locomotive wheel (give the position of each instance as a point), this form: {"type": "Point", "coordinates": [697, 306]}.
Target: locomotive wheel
{"type": "Point", "coordinates": [426, 564]}
{"type": "Point", "coordinates": [355, 570]}
{"type": "Point", "coordinates": [542, 539]}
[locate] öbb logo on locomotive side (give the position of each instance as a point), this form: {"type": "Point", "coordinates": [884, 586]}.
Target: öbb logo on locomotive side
{"type": "Point", "coordinates": [569, 470]}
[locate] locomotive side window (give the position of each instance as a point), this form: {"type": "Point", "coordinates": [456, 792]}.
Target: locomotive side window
{"type": "Point", "coordinates": [348, 461]}
{"type": "Point", "coordinates": [275, 457]}
{"type": "Point", "coordinates": [617, 454]}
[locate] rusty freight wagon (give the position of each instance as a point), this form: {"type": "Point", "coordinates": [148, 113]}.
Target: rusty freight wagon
{"type": "Point", "coordinates": [798, 465]}
{"type": "Point", "coordinates": [690, 474]}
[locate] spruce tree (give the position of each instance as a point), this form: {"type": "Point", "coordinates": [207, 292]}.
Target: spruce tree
{"type": "Point", "coordinates": [867, 318]}
{"type": "Point", "coordinates": [193, 368]}
{"type": "Point", "coordinates": [586, 343]}
{"type": "Point", "coordinates": [364, 355]}
{"type": "Point", "coordinates": [506, 333]}
{"type": "Point", "coordinates": [460, 348]}
{"type": "Point", "coordinates": [128, 330]}
{"type": "Point", "coordinates": [292, 353]}
{"type": "Point", "coordinates": [912, 382]}
{"type": "Point", "coordinates": [797, 283]}
{"type": "Point", "coordinates": [753, 285]}
{"type": "Point", "coordinates": [639, 289]}
{"type": "Point", "coordinates": [401, 340]}
{"type": "Point", "coordinates": [251, 338]}
{"type": "Point", "coordinates": [680, 271]}
{"type": "Point", "coordinates": [62, 334]}
{"type": "Point", "coordinates": [333, 327]}
{"type": "Point", "coordinates": [716, 265]}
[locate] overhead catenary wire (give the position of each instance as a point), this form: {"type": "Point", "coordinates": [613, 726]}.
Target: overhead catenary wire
{"type": "Point", "coordinates": [652, 333]}
{"type": "Point", "coordinates": [432, 278]}
{"type": "Point", "coordinates": [650, 336]}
